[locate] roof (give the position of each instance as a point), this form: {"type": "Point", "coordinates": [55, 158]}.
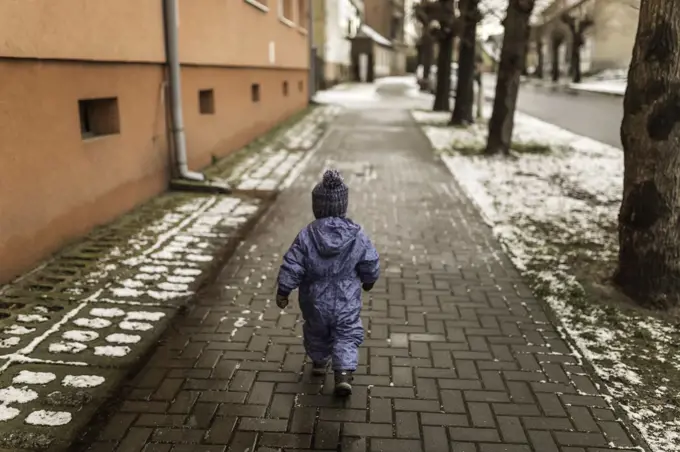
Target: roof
{"type": "Point", "coordinates": [375, 36]}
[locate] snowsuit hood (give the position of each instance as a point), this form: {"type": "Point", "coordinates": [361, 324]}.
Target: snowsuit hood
{"type": "Point", "coordinates": [331, 236]}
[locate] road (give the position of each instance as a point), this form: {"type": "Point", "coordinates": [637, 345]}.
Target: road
{"type": "Point", "coordinates": [597, 116]}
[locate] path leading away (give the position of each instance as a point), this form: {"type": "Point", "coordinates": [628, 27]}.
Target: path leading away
{"type": "Point", "coordinates": [458, 355]}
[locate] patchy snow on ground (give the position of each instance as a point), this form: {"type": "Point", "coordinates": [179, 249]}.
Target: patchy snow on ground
{"type": "Point", "coordinates": [82, 381]}
{"type": "Point", "coordinates": [49, 418]}
{"type": "Point", "coordinates": [617, 87]}
{"type": "Point", "coordinates": [555, 212]}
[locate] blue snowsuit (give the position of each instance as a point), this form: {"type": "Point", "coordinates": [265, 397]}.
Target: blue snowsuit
{"type": "Point", "coordinates": [329, 261]}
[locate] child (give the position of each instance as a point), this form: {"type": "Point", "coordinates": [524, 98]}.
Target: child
{"type": "Point", "coordinates": [330, 261]}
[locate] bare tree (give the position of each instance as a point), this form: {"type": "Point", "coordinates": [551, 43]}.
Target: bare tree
{"type": "Point", "coordinates": [577, 28]}
{"type": "Point", "coordinates": [538, 40]}
{"type": "Point", "coordinates": [425, 44]}
{"type": "Point", "coordinates": [649, 236]}
{"type": "Point", "coordinates": [440, 21]}
{"type": "Point", "coordinates": [556, 41]}
{"type": "Point", "coordinates": [465, 97]}
{"type": "Point", "coordinates": [507, 86]}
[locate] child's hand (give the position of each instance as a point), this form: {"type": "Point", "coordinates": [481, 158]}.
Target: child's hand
{"type": "Point", "coordinates": [281, 301]}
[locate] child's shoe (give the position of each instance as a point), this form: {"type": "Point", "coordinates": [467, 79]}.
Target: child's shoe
{"type": "Point", "coordinates": [319, 369]}
{"type": "Point", "coordinates": [343, 383]}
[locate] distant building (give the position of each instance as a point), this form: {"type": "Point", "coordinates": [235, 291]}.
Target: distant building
{"type": "Point", "coordinates": [387, 18]}
{"type": "Point", "coordinates": [336, 22]}
{"type": "Point", "coordinates": [608, 42]}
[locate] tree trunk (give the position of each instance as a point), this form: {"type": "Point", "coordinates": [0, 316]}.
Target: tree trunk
{"type": "Point", "coordinates": [443, 88]}
{"type": "Point", "coordinates": [541, 59]}
{"type": "Point", "coordinates": [507, 87]}
{"type": "Point", "coordinates": [556, 60]}
{"type": "Point", "coordinates": [576, 60]}
{"type": "Point", "coordinates": [426, 51]}
{"type": "Point", "coordinates": [465, 89]}
{"type": "Point", "coordinates": [649, 236]}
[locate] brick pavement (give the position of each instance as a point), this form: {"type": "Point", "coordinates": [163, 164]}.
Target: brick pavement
{"type": "Point", "coordinates": [458, 357]}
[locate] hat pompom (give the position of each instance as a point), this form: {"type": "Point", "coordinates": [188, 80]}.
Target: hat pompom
{"type": "Point", "coordinates": [332, 179]}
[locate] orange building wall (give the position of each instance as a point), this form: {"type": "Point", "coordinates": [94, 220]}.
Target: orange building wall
{"type": "Point", "coordinates": [55, 186]}
{"type": "Point", "coordinates": [237, 119]}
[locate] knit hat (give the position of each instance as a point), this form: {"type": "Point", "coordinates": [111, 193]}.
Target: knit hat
{"type": "Point", "coordinates": [330, 196]}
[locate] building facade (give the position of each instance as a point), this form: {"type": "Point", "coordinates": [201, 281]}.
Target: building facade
{"type": "Point", "coordinates": [83, 104]}
{"type": "Point", "coordinates": [336, 22]}
{"type": "Point", "coordinates": [387, 18]}
{"type": "Point", "coordinates": [608, 42]}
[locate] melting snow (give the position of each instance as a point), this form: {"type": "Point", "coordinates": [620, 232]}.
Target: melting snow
{"type": "Point", "coordinates": [33, 378]}
{"type": "Point", "coordinates": [120, 338]}
{"type": "Point", "coordinates": [31, 318]}
{"type": "Point", "coordinates": [148, 316]}
{"type": "Point", "coordinates": [92, 323]}
{"type": "Point", "coordinates": [66, 347]}
{"type": "Point", "coordinates": [107, 312]}
{"type": "Point", "coordinates": [154, 269]}
{"type": "Point", "coordinates": [82, 381]}
{"type": "Point", "coordinates": [124, 292]}
{"type": "Point", "coordinates": [187, 271]}
{"type": "Point", "coordinates": [7, 413]}
{"type": "Point", "coordinates": [180, 280]}
{"type": "Point", "coordinates": [18, 330]}
{"type": "Point", "coordinates": [135, 326]}
{"type": "Point", "coordinates": [199, 258]}
{"type": "Point", "coordinates": [80, 336]}
{"type": "Point", "coordinates": [49, 418]}
{"type": "Point", "coordinates": [115, 351]}
{"type": "Point", "coordinates": [9, 342]}
{"type": "Point", "coordinates": [173, 287]}
{"type": "Point", "coordinates": [17, 395]}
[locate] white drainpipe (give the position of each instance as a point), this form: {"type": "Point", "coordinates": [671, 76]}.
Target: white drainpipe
{"type": "Point", "coordinates": [172, 51]}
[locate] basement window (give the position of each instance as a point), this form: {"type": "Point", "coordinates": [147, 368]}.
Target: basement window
{"type": "Point", "coordinates": [255, 92]}
{"type": "Point", "coordinates": [99, 117]}
{"type": "Point", "coordinates": [301, 86]}
{"type": "Point", "coordinates": [206, 102]}
{"type": "Point", "coordinates": [285, 88]}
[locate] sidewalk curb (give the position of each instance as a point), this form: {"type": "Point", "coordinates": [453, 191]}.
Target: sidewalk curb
{"type": "Point", "coordinates": [573, 90]}
{"type": "Point", "coordinates": [568, 88]}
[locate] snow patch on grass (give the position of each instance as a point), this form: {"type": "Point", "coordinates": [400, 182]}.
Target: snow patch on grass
{"type": "Point", "coordinates": [83, 381]}
{"type": "Point", "coordinates": [80, 336]}
{"type": "Point", "coordinates": [33, 378]}
{"type": "Point", "coordinates": [17, 395]}
{"type": "Point", "coordinates": [49, 418]}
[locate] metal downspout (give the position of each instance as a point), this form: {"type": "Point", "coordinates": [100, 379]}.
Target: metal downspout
{"type": "Point", "coordinates": [172, 51]}
{"type": "Point", "coordinates": [311, 83]}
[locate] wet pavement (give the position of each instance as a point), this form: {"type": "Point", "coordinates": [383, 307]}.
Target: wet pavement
{"type": "Point", "coordinates": [459, 356]}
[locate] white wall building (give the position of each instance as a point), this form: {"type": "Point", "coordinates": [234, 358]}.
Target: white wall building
{"type": "Point", "coordinates": [336, 22]}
